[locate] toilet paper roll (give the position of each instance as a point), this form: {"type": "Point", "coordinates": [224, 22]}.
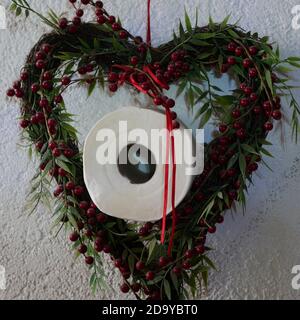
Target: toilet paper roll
{"type": "Point", "coordinates": [132, 191]}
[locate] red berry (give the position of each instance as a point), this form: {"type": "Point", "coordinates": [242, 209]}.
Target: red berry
{"type": "Point", "coordinates": [253, 73]}
{"type": "Point", "coordinates": [74, 236]}
{"type": "Point", "coordinates": [189, 254]}
{"type": "Point", "coordinates": [220, 219]}
{"type": "Point", "coordinates": [238, 51]}
{"type": "Point", "coordinates": [223, 128]}
{"type": "Point", "coordinates": [65, 80]}
{"type": "Point", "coordinates": [150, 275]}
{"type": "Point", "coordinates": [82, 249]}
{"type": "Point", "coordinates": [224, 68]}
{"type": "Point", "coordinates": [40, 117]}
{"type": "Point", "coordinates": [24, 123]}
{"type": "Point", "coordinates": [101, 217]}
{"type": "Point", "coordinates": [79, 13]}
{"type": "Point", "coordinates": [244, 102]}
{"type": "Point", "coordinates": [170, 103]}
{"type": "Point", "coordinates": [268, 126]}
{"type": "Point", "coordinates": [73, 28]}
{"type": "Point", "coordinates": [46, 47]}
{"type": "Point", "coordinates": [19, 93]}
{"type": "Point", "coordinates": [56, 153]}
{"type": "Point", "coordinates": [134, 60]}
{"type": "Point", "coordinates": [78, 191]}
{"type": "Point", "coordinates": [158, 101]}
{"type": "Point", "coordinates": [24, 75]}
{"type": "Point", "coordinates": [62, 172]}
{"type": "Point", "coordinates": [47, 85]}
{"type": "Point", "coordinates": [76, 21]}
{"type": "Point", "coordinates": [58, 99]}
{"type": "Point", "coordinates": [59, 189]}
{"type": "Point", "coordinates": [52, 145]}
{"type": "Point", "coordinates": [91, 212]}
{"type": "Point", "coordinates": [200, 249]}
{"type": "Point", "coordinates": [63, 23]}
{"type": "Point", "coordinates": [276, 114]}
{"type": "Point", "coordinates": [40, 55]}
{"type": "Point", "coordinates": [113, 77]}
{"type": "Point", "coordinates": [70, 185]}
{"type": "Point", "coordinates": [111, 19]}
{"type": "Point", "coordinates": [123, 34]}
{"type": "Point", "coordinates": [212, 229]}
{"type": "Point", "coordinates": [116, 26]}
{"type": "Point", "coordinates": [35, 87]}
{"type": "Point", "coordinates": [247, 63]}
{"type": "Point", "coordinates": [140, 265]}
{"type": "Point", "coordinates": [163, 261]}
{"type": "Point", "coordinates": [10, 92]}
{"type": "Point", "coordinates": [248, 91]}
{"type": "Point", "coordinates": [177, 271]}
{"type": "Point", "coordinates": [107, 249]}
{"type": "Point", "coordinates": [241, 133]}
{"type": "Point", "coordinates": [89, 260]}
{"type": "Point", "coordinates": [118, 263]}
{"type": "Point", "coordinates": [136, 287]}
{"type": "Point", "coordinates": [113, 87]}
{"type": "Point", "coordinates": [253, 51]}
{"type": "Point", "coordinates": [253, 97]}
{"type": "Point", "coordinates": [101, 19]}
{"type": "Point", "coordinates": [51, 122]}
{"type": "Point", "coordinates": [69, 153]}
{"type": "Point", "coordinates": [231, 47]}
{"type": "Point", "coordinates": [257, 110]}
{"type": "Point", "coordinates": [186, 265]}
{"type": "Point", "coordinates": [40, 64]}
{"type": "Point", "coordinates": [124, 288]}
{"type": "Point", "coordinates": [143, 232]}
{"type": "Point", "coordinates": [83, 204]}
{"type": "Point", "coordinates": [231, 60]}
{"type": "Point", "coordinates": [232, 196]}
{"type": "Point", "coordinates": [99, 4]}
{"type": "Point", "coordinates": [236, 113]}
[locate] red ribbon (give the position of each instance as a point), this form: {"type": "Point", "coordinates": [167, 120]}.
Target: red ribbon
{"type": "Point", "coordinates": [149, 24]}
{"type": "Point", "coordinates": [170, 141]}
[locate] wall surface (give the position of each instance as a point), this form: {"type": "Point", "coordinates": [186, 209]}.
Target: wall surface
{"type": "Point", "coordinates": [254, 252]}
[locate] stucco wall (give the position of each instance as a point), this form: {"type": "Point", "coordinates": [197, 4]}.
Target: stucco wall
{"type": "Point", "coordinates": [254, 253]}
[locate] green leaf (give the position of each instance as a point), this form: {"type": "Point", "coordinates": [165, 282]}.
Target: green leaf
{"type": "Point", "coordinates": [232, 161]}
{"type": "Point", "coordinates": [151, 251]}
{"type": "Point", "coordinates": [224, 22]}
{"type": "Point", "coordinates": [205, 35]}
{"type": "Point", "coordinates": [242, 164]}
{"type": "Point", "coordinates": [131, 262]}
{"type": "Point", "coordinates": [233, 34]}
{"type": "Point", "coordinates": [269, 81]}
{"type": "Point", "coordinates": [91, 88]}
{"type": "Point", "coordinates": [266, 152]}
{"type": "Point", "coordinates": [167, 289]}
{"type": "Point", "coordinates": [63, 165]}
{"type": "Point", "coordinates": [18, 11]}
{"type": "Point", "coordinates": [249, 149]}
{"type": "Point", "coordinates": [293, 59]}
{"type": "Point", "coordinates": [188, 22]}
{"type": "Point", "coordinates": [205, 118]}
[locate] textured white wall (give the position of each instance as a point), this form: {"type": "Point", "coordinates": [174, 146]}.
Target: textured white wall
{"type": "Point", "coordinates": [254, 253]}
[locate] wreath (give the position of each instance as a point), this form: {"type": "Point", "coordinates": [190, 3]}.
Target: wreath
{"type": "Point", "coordinates": [103, 53]}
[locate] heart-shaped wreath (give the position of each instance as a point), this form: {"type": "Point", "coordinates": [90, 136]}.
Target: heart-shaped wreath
{"type": "Point", "coordinates": [103, 51]}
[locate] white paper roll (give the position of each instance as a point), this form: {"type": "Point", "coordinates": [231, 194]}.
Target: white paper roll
{"type": "Point", "coordinates": [112, 192]}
